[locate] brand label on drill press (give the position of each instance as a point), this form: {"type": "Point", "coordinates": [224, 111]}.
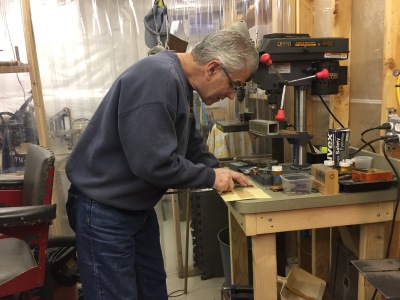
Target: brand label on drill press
{"type": "Point", "coordinates": [338, 144]}
{"type": "Point", "coordinates": [335, 55]}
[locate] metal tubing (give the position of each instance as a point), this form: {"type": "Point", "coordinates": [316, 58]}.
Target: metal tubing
{"type": "Point", "coordinates": [300, 111]}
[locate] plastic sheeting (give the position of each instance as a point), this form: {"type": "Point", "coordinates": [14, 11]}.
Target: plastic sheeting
{"type": "Point", "coordinates": [366, 56]}
{"type": "Point", "coordinates": [366, 70]}
{"type": "Point", "coordinates": [192, 20]}
{"type": "Point", "coordinates": [83, 45]}
{"type": "Point", "coordinates": [14, 87]}
{"type": "Point", "coordinates": [257, 14]}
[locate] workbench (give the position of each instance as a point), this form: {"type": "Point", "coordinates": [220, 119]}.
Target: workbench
{"type": "Point", "coordinates": [262, 219]}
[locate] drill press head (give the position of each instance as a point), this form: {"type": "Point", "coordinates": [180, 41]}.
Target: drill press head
{"type": "Point", "coordinates": [296, 56]}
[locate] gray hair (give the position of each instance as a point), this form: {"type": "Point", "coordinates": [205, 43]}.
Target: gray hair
{"type": "Point", "coordinates": [233, 49]}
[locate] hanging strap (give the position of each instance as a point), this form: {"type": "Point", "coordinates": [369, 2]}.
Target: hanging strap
{"type": "Point", "coordinates": [160, 3]}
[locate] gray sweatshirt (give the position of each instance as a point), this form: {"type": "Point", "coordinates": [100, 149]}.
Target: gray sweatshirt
{"type": "Point", "coordinates": [142, 139]}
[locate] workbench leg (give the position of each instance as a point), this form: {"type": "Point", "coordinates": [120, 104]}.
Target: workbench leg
{"type": "Point", "coordinates": [372, 245]}
{"type": "Point", "coordinates": [264, 267]}
{"type": "Point", "coordinates": [239, 253]}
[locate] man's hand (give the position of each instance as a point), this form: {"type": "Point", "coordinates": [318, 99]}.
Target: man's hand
{"type": "Point", "coordinates": [225, 180]}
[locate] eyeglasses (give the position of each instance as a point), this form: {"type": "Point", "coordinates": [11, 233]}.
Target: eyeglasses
{"type": "Point", "coordinates": [235, 87]}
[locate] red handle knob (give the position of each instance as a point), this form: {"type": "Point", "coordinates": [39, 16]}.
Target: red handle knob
{"type": "Point", "coordinates": [280, 116]}
{"type": "Point", "coordinates": [266, 59]}
{"type": "Point", "coordinates": [323, 74]}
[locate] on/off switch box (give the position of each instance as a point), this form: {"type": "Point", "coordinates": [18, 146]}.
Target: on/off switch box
{"type": "Point", "coordinates": [326, 179]}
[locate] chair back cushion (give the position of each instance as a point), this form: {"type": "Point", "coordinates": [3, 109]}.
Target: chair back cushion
{"type": "Point", "coordinates": [38, 176]}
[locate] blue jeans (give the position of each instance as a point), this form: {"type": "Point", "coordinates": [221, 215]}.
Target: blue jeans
{"type": "Point", "coordinates": [119, 252]}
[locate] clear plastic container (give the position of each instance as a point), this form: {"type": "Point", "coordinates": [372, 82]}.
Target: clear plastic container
{"type": "Point", "coordinates": [363, 162]}
{"type": "Point", "coordinates": [297, 183]}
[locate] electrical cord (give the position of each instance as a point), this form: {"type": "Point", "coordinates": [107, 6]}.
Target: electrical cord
{"type": "Point", "coordinates": [364, 141]}
{"type": "Point", "coordinates": [393, 222]}
{"type": "Point", "coordinates": [384, 126]}
{"type": "Point", "coordinates": [171, 295]}
{"type": "Point", "coordinates": [329, 110]}
{"type": "Point", "coordinates": [370, 142]}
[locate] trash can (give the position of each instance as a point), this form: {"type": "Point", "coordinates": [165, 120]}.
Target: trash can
{"type": "Point", "coordinates": [223, 238]}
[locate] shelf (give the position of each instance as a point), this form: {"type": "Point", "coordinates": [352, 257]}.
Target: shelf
{"type": "Point", "coordinates": [13, 67]}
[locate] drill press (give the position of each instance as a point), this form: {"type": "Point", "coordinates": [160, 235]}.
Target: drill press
{"type": "Point", "coordinates": [295, 60]}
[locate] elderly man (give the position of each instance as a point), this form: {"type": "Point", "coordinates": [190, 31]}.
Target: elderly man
{"type": "Point", "coordinates": [140, 142]}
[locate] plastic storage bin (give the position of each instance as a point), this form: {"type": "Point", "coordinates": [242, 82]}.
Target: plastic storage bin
{"type": "Point", "coordinates": [297, 183]}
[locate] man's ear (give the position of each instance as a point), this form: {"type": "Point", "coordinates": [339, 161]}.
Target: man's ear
{"type": "Point", "coordinates": [212, 67]}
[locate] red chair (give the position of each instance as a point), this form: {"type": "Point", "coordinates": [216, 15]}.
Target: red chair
{"type": "Point", "coordinates": [24, 229]}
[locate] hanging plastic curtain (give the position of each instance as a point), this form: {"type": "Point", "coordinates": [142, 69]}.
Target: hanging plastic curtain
{"type": "Point", "coordinates": [256, 13]}
{"type": "Point", "coordinates": [191, 20]}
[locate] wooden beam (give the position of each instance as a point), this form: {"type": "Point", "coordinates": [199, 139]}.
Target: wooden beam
{"type": "Point", "coordinates": [341, 27]}
{"type": "Point", "coordinates": [305, 24]}
{"type": "Point", "coordinates": [34, 73]}
{"type": "Point", "coordinates": [289, 16]}
{"type": "Point", "coordinates": [305, 17]}
{"type": "Point", "coordinates": [18, 68]}
{"type": "Point", "coordinates": [391, 61]}
{"type": "Point", "coordinates": [391, 54]}
{"type": "Point", "coordinates": [239, 254]}
{"type": "Point", "coordinates": [371, 246]}
{"type": "Point", "coordinates": [264, 260]}
{"type": "Point", "coordinates": [275, 16]}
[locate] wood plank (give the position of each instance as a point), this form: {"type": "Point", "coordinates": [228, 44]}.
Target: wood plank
{"type": "Point", "coordinates": [289, 16]}
{"type": "Point", "coordinates": [275, 17]}
{"type": "Point", "coordinates": [321, 217]}
{"type": "Point", "coordinates": [264, 267]}
{"type": "Point", "coordinates": [391, 56]}
{"type": "Point", "coordinates": [371, 246]}
{"type": "Point", "coordinates": [341, 27]}
{"type": "Point", "coordinates": [228, 13]}
{"type": "Point", "coordinates": [395, 245]}
{"type": "Point", "coordinates": [391, 61]}
{"type": "Point", "coordinates": [305, 17]}
{"type": "Point", "coordinates": [34, 73]}
{"type": "Point", "coordinates": [247, 222]}
{"type": "Point", "coordinates": [20, 68]}
{"type": "Point", "coordinates": [305, 24]}
{"type": "Point", "coordinates": [239, 253]}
